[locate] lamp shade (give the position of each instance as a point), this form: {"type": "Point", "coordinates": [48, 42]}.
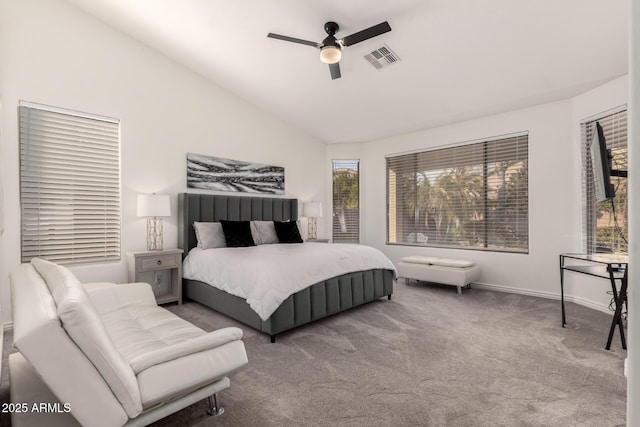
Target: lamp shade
{"type": "Point", "coordinates": [312, 210]}
{"type": "Point", "coordinates": [154, 205]}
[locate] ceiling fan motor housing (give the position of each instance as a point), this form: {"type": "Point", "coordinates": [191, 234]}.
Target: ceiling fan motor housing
{"type": "Point", "coordinates": [331, 28]}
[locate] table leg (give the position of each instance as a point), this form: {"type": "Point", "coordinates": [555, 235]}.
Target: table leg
{"type": "Point", "coordinates": [618, 299]}
{"type": "Point", "coordinates": [622, 297]}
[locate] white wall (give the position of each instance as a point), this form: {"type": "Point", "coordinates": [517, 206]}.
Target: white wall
{"type": "Point", "coordinates": [555, 211]}
{"type": "Point", "coordinates": [53, 54]}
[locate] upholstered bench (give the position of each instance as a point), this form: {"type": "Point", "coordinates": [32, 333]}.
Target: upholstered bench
{"type": "Point", "coordinates": [454, 272]}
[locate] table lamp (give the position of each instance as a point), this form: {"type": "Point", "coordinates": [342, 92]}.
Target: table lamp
{"type": "Point", "coordinates": [154, 206]}
{"type": "Point", "coordinates": [312, 210]}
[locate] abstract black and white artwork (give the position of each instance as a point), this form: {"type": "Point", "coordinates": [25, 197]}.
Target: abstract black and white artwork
{"type": "Point", "coordinates": [214, 173]}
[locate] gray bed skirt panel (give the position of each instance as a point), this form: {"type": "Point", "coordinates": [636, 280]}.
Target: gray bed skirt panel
{"type": "Point", "coordinates": [313, 303]}
{"type": "Point", "coordinates": [222, 302]}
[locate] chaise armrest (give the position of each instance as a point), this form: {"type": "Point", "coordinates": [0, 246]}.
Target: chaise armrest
{"type": "Point", "coordinates": [185, 348]}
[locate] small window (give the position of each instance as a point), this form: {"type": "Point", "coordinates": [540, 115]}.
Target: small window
{"type": "Point", "coordinates": [472, 196]}
{"type": "Point", "coordinates": [605, 223]}
{"type": "Point", "coordinates": [346, 201]}
{"type": "Point", "coordinates": [69, 185]}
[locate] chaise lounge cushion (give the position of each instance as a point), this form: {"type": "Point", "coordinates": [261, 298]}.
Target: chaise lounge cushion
{"type": "Point", "coordinates": [168, 355]}
{"type": "Point", "coordinates": [83, 324]}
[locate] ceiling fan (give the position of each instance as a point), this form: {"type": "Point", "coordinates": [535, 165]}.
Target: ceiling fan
{"type": "Point", "coordinates": [331, 48]}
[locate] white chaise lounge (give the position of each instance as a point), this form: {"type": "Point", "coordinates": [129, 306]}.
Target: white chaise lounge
{"type": "Point", "coordinates": [454, 272]}
{"type": "Point", "coordinates": [106, 354]}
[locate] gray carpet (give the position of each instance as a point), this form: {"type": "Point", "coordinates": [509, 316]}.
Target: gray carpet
{"type": "Point", "coordinates": [427, 357]}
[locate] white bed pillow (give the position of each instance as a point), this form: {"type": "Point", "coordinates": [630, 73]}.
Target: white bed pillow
{"type": "Point", "coordinates": [303, 228]}
{"type": "Point", "coordinates": [209, 235]}
{"type": "Point", "coordinates": [263, 232]}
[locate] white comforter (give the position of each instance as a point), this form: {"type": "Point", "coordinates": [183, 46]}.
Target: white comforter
{"type": "Point", "coordinates": [266, 275]}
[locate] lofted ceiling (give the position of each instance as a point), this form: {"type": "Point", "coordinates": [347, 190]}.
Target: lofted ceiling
{"type": "Point", "coordinates": [460, 59]}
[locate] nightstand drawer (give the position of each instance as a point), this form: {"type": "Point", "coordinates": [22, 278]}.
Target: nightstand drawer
{"type": "Point", "coordinates": [154, 263]}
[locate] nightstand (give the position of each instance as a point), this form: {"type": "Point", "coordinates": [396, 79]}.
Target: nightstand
{"type": "Point", "coordinates": [161, 269]}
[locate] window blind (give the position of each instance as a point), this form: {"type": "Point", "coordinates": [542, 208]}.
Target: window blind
{"type": "Point", "coordinates": [346, 201]}
{"type": "Point", "coordinates": [604, 231]}
{"type": "Point", "coordinates": [69, 185]}
{"type": "Point", "coordinates": [471, 196]}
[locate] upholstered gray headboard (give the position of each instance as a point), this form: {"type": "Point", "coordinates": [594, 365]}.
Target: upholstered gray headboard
{"type": "Point", "coordinates": [212, 207]}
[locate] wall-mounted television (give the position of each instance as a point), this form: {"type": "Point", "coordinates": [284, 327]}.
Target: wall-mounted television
{"type": "Point", "coordinates": [601, 165]}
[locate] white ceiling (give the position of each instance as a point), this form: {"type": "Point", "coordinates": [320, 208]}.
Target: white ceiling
{"type": "Point", "coordinates": [460, 59]}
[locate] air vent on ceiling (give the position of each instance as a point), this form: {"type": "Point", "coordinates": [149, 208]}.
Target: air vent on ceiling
{"type": "Point", "coordinates": [382, 57]}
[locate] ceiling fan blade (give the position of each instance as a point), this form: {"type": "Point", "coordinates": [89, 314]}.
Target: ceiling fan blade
{"type": "Point", "coordinates": [293, 39]}
{"type": "Point", "coordinates": [335, 71]}
{"type": "Point", "coordinates": [368, 33]}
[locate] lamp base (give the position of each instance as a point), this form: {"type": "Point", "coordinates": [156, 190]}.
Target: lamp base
{"type": "Point", "coordinates": [313, 229]}
{"type": "Point", "coordinates": [154, 234]}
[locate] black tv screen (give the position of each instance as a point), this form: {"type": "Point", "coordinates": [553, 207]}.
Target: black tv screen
{"type": "Point", "coordinates": [601, 165]}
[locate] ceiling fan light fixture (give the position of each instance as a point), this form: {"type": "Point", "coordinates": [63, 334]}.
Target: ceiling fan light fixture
{"type": "Point", "coordinates": [330, 54]}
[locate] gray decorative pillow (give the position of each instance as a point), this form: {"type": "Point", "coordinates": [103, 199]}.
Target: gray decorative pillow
{"type": "Point", "coordinates": [209, 235]}
{"type": "Point", "coordinates": [263, 232]}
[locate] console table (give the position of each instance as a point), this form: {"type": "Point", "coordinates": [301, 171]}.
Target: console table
{"type": "Point", "coordinates": [607, 266]}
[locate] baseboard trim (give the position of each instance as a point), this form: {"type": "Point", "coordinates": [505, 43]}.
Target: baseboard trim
{"type": "Point", "coordinates": [549, 295]}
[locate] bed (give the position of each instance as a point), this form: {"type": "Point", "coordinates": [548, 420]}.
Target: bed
{"type": "Point", "coordinates": [317, 301]}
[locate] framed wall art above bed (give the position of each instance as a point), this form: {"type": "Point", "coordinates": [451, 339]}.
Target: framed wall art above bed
{"type": "Point", "coordinates": [215, 173]}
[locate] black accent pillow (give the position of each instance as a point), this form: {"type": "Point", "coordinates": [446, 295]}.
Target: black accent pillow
{"type": "Point", "coordinates": [287, 232]}
{"type": "Point", "coordinates": [237, 234]}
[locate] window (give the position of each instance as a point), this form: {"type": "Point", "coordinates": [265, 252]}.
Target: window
{"type": "Point", "coordinates": [69, 185]}
{"type": "Point", "coordinates": [346, 201]}
{"type": "Point", "coordinates": [472, 196]}
{"type": "Point", "coordinates": [605, 223]}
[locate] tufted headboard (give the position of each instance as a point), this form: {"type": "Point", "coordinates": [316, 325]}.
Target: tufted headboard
{"type": "Point", "coordinates": [213, 207]}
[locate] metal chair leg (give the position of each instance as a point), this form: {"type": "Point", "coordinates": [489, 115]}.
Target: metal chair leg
{"type": "Point", "coordinates": [214, 409]}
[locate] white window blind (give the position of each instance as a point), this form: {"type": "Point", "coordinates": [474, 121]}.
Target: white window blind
{"type": "Point", "coordinates": [346, 201]}
{"type": "Point", "coordinates": [69, 185]}
{"type": "Point", "coordinates": [606, 228]}
{"type": "Point", "coordinates": [472, 196]}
